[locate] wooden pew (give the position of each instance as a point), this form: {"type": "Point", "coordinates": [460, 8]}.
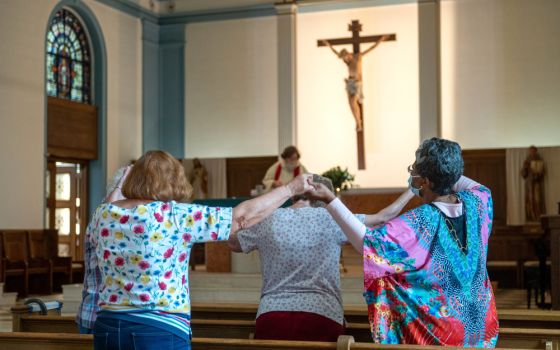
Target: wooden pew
{"type": "Point", "coordinates": [244, 329]}
{"type": "Point", "coordinates": [45, 341]}
{"type": "Point", "coordinates": [522, 318]}
{"type": "Point", "coordinates": [22, 321]}
{"type": "Point", "coordinates": [61, 341]}
{"type": "Point", "coordinates": [509, 318]}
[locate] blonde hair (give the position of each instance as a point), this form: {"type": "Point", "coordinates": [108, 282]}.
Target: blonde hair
{"type": "Point", "coordinates": [157, 175]}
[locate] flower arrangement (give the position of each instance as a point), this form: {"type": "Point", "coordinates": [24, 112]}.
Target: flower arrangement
{"type": "Point", "coordinates": [341, 179]}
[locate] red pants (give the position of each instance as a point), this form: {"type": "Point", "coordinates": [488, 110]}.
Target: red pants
{"type": "Point", "coordinates": [297, 325]}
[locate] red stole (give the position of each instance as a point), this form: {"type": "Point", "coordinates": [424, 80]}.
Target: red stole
{"type": "Point", "coordinates": [279, 170]}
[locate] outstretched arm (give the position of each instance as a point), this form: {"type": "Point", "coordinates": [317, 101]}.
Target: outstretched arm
{"type": "Point", "coordinates": [326, 42]}
{"type": "Point", "coordinates": [350, 225]}
{"type": "Point", "coordinates": [390, 211]}
{"type": "Point", "coordinates": [252, 211]}
{"type": "Point", "coordinates": [383, 38]}
{"type": "Point", "coordinates": [464, 183]}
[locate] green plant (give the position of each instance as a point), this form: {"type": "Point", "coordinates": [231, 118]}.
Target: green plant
{"type": "Point", "coordinates": [341, 179]}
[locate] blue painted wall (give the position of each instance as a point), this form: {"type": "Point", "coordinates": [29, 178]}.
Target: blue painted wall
{"type": "Point", "coordinates": [163, 87]}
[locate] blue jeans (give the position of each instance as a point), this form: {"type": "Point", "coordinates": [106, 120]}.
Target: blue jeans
{"type": "Point", "coordinates": [84, 330]}
{"type": "Point", "coordinates": [111, 333]}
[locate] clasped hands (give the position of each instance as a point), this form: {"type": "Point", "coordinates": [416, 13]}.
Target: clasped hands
{"type": "Point", "coordinates": [304, 185]}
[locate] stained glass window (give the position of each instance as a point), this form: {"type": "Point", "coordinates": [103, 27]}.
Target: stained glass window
{"type": "Point", "coordinates": [68, 59]}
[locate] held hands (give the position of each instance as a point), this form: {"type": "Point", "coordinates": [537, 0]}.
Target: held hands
{"type": "Point", "coordinates": [300, 184]}
{"type": "Point", "coordinates": [320, 192]}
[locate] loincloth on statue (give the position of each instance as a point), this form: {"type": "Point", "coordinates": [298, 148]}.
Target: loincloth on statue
{"type": "Point", "coordinates": [354, 88]}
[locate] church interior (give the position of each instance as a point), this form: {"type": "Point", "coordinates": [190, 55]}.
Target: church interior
{"type": "Point", "coordinates": [224, 86]}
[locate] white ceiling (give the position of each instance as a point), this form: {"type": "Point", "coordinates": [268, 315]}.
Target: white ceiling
{"type": "Point", "coordinates": [189, 6]}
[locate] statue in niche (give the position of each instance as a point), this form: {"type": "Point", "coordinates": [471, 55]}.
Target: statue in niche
{"type": "Point", "coordinates": [533, 172]}
{"type": "Point", "coordinates": [198, 178]}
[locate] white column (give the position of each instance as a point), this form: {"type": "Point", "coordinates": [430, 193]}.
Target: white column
{"type": "Point", "coordinates": [429, 68]}
{"type": "Point", "coordinates": [287, 111]}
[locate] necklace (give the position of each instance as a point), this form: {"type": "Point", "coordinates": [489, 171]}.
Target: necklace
{"type": "Point", "coordinates": [449, 225]}
{"type": "Point", "coordinates": [450, 198]}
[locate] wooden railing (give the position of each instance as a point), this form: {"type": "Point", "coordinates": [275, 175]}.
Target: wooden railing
{"type": "Point", "coordinates": [62, 341]}
{"type": "Point", "coordinates": [526, 338]}
{"type": "Point", "coordinates": [509, 318]}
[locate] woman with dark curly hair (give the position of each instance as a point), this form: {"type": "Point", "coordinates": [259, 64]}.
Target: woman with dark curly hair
{"type": "Point", "coordinates": [425, 272]}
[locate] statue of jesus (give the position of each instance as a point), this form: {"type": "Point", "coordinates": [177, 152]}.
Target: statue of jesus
{"type": "Point", "coordinates": [354, 80]}
{"type": "Point", "coordinates": [533, 172]}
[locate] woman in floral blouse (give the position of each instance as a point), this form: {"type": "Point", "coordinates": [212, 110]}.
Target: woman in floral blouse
{"type": "Point", "coordinates": [141, 248]}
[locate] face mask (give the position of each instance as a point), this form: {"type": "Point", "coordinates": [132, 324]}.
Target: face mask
{"type": "Point", "coordinates": [414, 190]}
{"type": "Point", "coordinates": [290, 166]}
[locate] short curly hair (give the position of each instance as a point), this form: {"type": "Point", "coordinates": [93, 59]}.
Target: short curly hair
{"type": "Point", "coordinates": [157, 176]}
{"type": "Point", "coordinates": [441, 162]}
{"type": "Point", "coordinates": [290, 151]}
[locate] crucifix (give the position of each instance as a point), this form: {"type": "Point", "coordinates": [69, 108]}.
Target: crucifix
{"type": "Point", "coordinates": [354, 81]}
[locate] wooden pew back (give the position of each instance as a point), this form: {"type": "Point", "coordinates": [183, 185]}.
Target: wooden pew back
{"type": "Point", "coordinates": [43, 244]}
{"type": "Point", "coordinates": [61, 341]}
{"type": "Point", "coordinates": [242, 329]}
{"type": "Point", "coordinates": [14, 243]}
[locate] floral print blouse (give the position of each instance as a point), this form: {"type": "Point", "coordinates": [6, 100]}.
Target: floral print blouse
{"type": "Point", "coordinates": [143, 252]}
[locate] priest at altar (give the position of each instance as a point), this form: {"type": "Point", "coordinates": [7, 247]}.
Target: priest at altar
{"type": "Point", "coordinates": [284, 170]}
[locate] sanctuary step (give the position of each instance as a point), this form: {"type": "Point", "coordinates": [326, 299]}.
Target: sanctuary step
{"type": "Point", "coordinates": [7, 299]}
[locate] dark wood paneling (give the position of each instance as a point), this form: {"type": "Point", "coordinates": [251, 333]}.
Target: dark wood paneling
{"type": "Point", "coordinates": [512, 244]}
{"type": "Point", "coordinates": [71, 129]}
{"type": "Point", "coordinates": [243, 174]}
{"type": "Point", "coordinates": [218, 257]}
{"type": "Point", "coordinates": [372, 202]}
{"type": "Point", "coordinates": [551, 225]}
{"type": "Point", "coordinates": [488, 167]}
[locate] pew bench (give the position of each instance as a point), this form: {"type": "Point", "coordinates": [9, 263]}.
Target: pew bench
{"type": "Point", "coordinates": [244, 329]}
{"type": "Point", "coordinates": [62, 341]}
{"type": "Point", "coordinates": [509, 318]}
{"type": "Point", "coordinates": [27, 253]}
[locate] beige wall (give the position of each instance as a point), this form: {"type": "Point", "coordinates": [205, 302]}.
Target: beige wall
{"type": "Point", "coordinates": [501, 72]}
{"type": "Point", "coordinates": [22, 112]}
{"type": "Point", "coordinates": [231, 94]}
{"type": "Point", "coordinates": [326, 128]}
{"type": "Point", "coordinates": [22, 102]}
{"type": "Point", "coordinates": [123, 41]}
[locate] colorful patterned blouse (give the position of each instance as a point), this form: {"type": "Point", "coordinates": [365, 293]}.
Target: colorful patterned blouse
{"type": "Point", "coordinates": [421, 289]}
{"type": "Point", "coordinates": [143, 252]}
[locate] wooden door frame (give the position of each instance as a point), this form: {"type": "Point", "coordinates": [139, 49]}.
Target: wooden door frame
{"type": "Point", "coordinates": [81, 191]}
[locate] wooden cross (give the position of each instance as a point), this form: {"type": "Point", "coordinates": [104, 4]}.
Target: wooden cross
{"type": "Point", "coordinates": [355, 70]}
